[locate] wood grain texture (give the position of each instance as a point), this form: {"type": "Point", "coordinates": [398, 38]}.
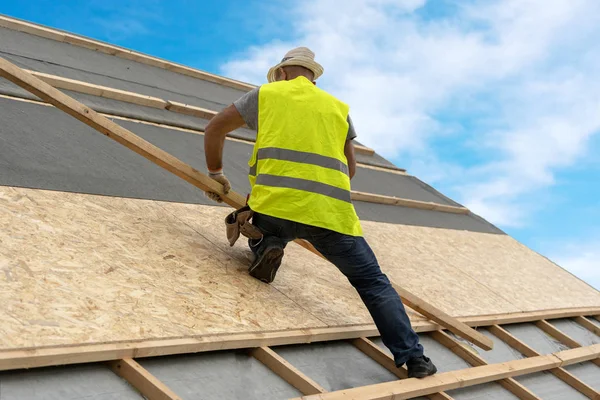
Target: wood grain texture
{"type": "Point", "coordinates": [471, 357]}
{"type": "Point", "coordinates": [396, 201]}
{"type": "Point", "coordinates": [560, 336]}
{"type": "Point", "coordinates": [146, 383]}
{"type": "Point", "coordinates": [468, 273]}
{"type": "Point", "coordinates": [409, 388]}
{"type": "Point", "coordinates": [587, 324]}
{"type": "Point", "coordinates": [100, 91]}
{"type": "Point", "coordinates": [287, 371]}
{"type": "Point", "coordinates": [385, 360]}
{"type": "Point", "coordinates": [560, 373]}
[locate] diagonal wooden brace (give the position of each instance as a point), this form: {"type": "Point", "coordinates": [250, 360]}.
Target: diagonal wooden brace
{"type": "Point", "coordinates": [172, 164]}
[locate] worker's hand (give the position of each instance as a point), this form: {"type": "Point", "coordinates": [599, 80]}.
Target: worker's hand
{"type": "Point", "coordinates": [222, 179]}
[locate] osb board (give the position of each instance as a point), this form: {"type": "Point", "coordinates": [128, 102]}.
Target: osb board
{"type": "Point", "coordinates": [307, 279]}
{"type": "Point", "coordinates": [91, 269]}
{"type": "Point", "coordinates": [469, 273]}
{"type": "Point", "coordinates": [80, 269]}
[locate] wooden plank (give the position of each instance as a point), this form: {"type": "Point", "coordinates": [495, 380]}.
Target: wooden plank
{"type": "Point", "coordinates": [470, 356]}
{"type": "Point", "coordinates": [396, 201]}
{"type": "Point", "coordinates": [286, 371]}
{"type": "Point", "coordinates": [515, 318]}
{"type": "Point", "coordinates": [387, 361]}
{"type": "Point", "coordinates": [512, 341]}
{"type": "Point", "coordinates": [114, 131]}
{"type": "Point", "coordinates": [190, 110]}
{"type": "Point", "coordinates": [557, 334]}
{"type": "Point", "coordinates": [452, 324]}
{"type": "Point", "coordinates": [409, 388]}
{"type": "Point", "coordinates": [62, 355]}
{"type": "Point", "coordinates": [58, 355]}
{"type": "Point", "coordinates": [91, 44]}
{"type": "Point", "coordinates": [364, 150]}
{"type": "Point", "coordinates": [560, 336]}
{"type": "Point", "coordinates": [587, 324]}
{"type": "Point", "coordinates": [560, 373]}
{"type": "Point", "coordinates": [146, 383]}
{"type": "Point", "coordinates": [100, 91]}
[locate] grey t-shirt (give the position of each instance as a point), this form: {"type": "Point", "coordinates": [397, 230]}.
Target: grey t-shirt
{"type": "Point", "coordinates": [247, 106]}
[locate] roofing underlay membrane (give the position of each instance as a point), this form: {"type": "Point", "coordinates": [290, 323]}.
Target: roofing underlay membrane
{"type": "Point", "coordinates": [62, 59]}
{"type": "Point", "coordinates": [41, 147]}
{"type": "Point", "coordinates": [51, 150]}
{"type": "Point", "coordinates": [237, 375]}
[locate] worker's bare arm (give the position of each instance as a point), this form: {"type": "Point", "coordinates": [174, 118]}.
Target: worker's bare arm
{"type": "Point", "coordinates": [349, 152]}
{"type": "Point", "coordinates": [214, 135]}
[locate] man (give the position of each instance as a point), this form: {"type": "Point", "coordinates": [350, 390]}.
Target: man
{"type": "Point", "coordinates": [300, 173]}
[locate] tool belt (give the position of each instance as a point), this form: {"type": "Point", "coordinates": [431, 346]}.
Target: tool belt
{"type": "Point", "coordinates": [238, 222]}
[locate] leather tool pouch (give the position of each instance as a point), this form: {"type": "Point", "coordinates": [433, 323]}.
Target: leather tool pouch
{"type": "Point", "coordinates": [238, 222]}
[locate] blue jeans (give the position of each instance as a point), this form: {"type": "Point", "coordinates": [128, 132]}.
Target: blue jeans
{"type": "Point", "coordinates": [355, 259]}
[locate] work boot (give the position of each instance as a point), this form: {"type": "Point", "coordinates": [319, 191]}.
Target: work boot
{"type": "Point", "coordinates": [420, 367]}
{"type": "Point", "coordinates": [267, 263]}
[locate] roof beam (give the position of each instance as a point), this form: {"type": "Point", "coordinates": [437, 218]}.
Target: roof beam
{"type": "Point", "coordinates": [560, 373]}
{"type": "Point", "coordinates": [587, 324]}
{"type": "Point", "coordinates": [395, 201]}
{"type": "Point", "coordinates": [470, 356]}
{"type": "Point", "coordinates": [172, 164]}
{"type": "Point", "coordinates": [409, 388]}
{"type": "Point", "coordinates": [560, 336]}
{"type": "Point", "coordinates": [69, 354]}
{"type": "Point", "coordinates": [53, 34]}
{"type": "Point", "coordinates": [385, 360]}
{"type": "Point", "coordinates": [139, 377]}
{"type": "Point", "coordinates": [60, 82]}
{"type": "Point", "coordinates": [286, 371]}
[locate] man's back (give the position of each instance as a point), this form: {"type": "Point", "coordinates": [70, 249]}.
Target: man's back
{"type": "Point", "coordinates": [298, 169]}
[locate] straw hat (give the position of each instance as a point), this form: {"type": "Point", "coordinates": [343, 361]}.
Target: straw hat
{"type": "Point", "coordinates": [300, 56]}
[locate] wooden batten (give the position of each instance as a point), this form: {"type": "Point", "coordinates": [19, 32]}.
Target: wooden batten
{"type": "Point", "coordinates": [146, 383]}
{"type": "Point", "coordinates": [560, 373]}
{"type": "Point", "coordinates": [100, 91]}
{"type": "Point", "coordinates": [471, 357]}
{"type": "Point", "coordinates": [52, 34]}
{"type": "Point", "coordinates": [385, 360]}
{"type": "Point", "coordinates": [286, 371]}
{"type": "Point", "coordinates": [561, 336]}
{"type": "Point", "coordinates": [409, 388]}
{"type": "Point", "coordinates": [395, 201]}
{"type": "Point", "coordinates": [587, 324]}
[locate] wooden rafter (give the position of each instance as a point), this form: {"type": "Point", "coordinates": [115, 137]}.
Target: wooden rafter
{"type": "Point", "coordinates": [286, 371]}
{"type": "Point", "coordinates": [560, 336]}
{"type": "Point", "coordinates": [386, 361]}
{"type": "Point", "coordinates": [409, 388]}
{"type": "Point", "coordinates": [475, 360]}
{"type": "Point", "coordinates": [560, 373]}
{"type": "Point", "coordinates": [587, 324]}
{"type": "Point", "coordinates": [172, 164]}
{"type": "Point", "coordinates": [146, 383]}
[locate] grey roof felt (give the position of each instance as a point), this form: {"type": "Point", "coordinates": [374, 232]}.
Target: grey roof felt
{"type": "Point", "coordinates": [45, 148]}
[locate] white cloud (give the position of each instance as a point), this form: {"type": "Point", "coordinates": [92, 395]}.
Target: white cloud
{"type": "Point", "coordinates": [522, 73]}
{"type": "Point", "coordinates": [580, 258]}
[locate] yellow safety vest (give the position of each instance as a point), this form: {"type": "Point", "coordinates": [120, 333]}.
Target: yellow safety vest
{"type": "Point", "coordinates": [298, 169]}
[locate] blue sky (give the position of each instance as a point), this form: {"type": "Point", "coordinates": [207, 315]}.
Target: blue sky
{"type": "Point", "coordinates": [494, 103]}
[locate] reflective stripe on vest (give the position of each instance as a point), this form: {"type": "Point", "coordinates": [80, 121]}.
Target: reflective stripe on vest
{"type": "Point", "coordinates": [298, 169]}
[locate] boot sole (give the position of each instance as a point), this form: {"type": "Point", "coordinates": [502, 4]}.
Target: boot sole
{"type": "Point", "coordinates": [266, 267]}
{"type": "Point", "coordinates": [423, 374]}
